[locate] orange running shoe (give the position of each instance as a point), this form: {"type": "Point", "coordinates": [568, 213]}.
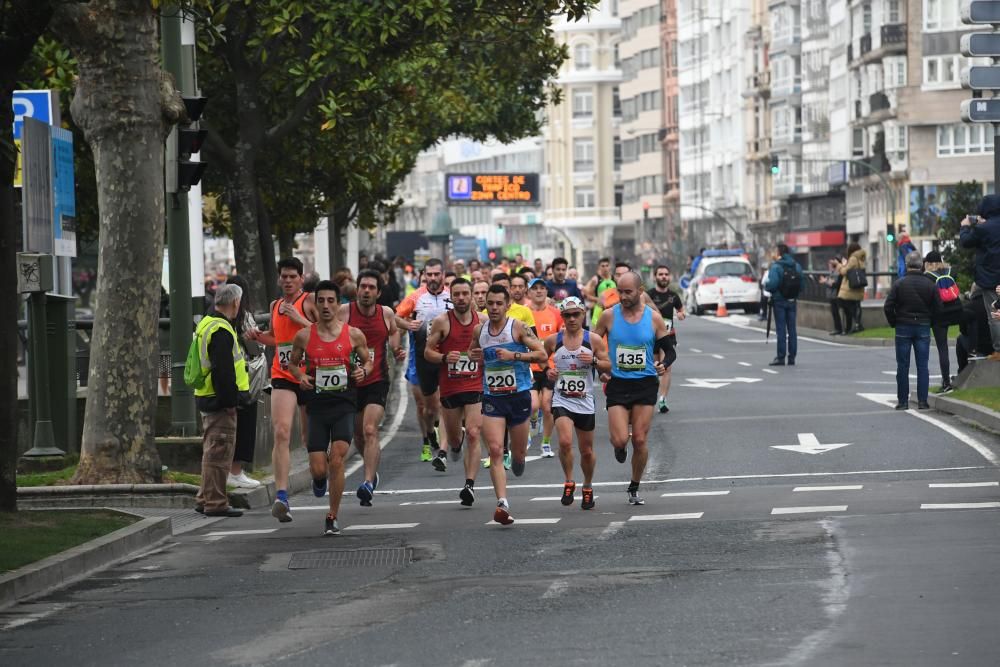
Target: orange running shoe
{"type": "Point", "coordinates": [502, 514]}
{"type": "Point", "coordinates": [567, 496]}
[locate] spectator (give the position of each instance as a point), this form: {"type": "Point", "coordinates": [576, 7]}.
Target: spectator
{"type": "Point", "coordinates": [246, 418]}
{"type": "Point", "coordinates": [785, 280]}
{"type": "Point", "coordinates": [832, 281]}
{"type": "Point", "coordinates": [904, 248]}
{"type": "Point", "coordinates": [983, 234]}
{"type": "Point", "coordinates": [910, 308]}
{"type": "Point", "coordinates": [309, 282]}
{"type": "Point", "coordinates": [851, 298]}
{"type": "Point", "coordinates": [936, 271]}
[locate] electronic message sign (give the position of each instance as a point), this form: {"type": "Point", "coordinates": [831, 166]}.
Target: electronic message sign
{"type": "Point", "coordinates": [492, 189]}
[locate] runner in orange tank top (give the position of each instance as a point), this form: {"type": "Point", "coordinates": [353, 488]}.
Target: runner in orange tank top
{"type": "Point", "coordinates": [548, 321]}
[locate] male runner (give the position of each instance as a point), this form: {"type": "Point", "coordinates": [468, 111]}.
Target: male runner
{"type": "Point", "coordinates": [461, 381]}
{"type": "Point", "coordinates": [547, 322]}
{"type": "Point", "coordinates": [505, 347]}
{"type": "Point", "coordinates": [668, 302]}
{"type": "Point", "coordinates": [603, 273]}
{"type": "Point", "coordinates": [423, 306]}
{"type": "Point", "coordinates": [518, 289]}
{"type": "Point", "coordinates": [378, 324]}
{"type": "Point", "coordinates": [337, 360]}
{"type": "Point", "coordinates": [295, 310]}
{"type": "Point", "coordinates": [634, 331]}
{"type": "Point", "coordinates": [479, 290]}
{"type": "Point", "coordinates": [559, 286]}
{"type": "Point", "coordinates": [575, 354]}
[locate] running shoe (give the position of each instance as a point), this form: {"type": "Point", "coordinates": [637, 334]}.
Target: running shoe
{"type": "Point", "coordinates": [946, 389]}
{"type": "Point", "coordinates": [319, 487]}
{"type": "Point", "coordinates": [375, 482]}
{"type": "Point", "coordinates": [365, 493]}
{"type": "Point", "coordinates": [502, 514]}
{"type": "Point", "coordinates": [517, 467]}
{"type": "Point", "coordinates": [281, 511]}
{"type": "Point", "coordinates": [506, 460]}
{"type": "Point", "coordinates": [547, 452]}
{"type": "Point", "coordinates": [440, 461]}
{"type": "Point", "coordinates": [456, 454]}
{"type": "Point", "coordinates": [486, 462]}
{"type": "Point", "coordinates": [426, 454]}
{"type": "Point", "coordinates": [567, 496]}
{"type": "Point", "coordinates": [663, 406]}
{"type": "Point", "coordinates": [467, 495]}
{"type": "Point", "coordinates": [621, 454]}
{"type": "Point", "coordinates": [633, 498]}
{"type": "Point", "coordinates": [332, 526]}
{"type": "Point", "coordinates": [587, 503]}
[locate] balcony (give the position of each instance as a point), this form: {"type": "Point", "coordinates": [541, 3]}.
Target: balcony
{"type": "Point", "coordinates": [850, 52]}
{"type": "Point", "coordinates": [787, 87]}
{"type": "Point", "coordinates": [758, 84]}
{"type": "Point", "coordinates": [893, 33]}
{"type": "Point", "coordinates": [878, 161]}
{"type": "Point", "coordinates": [792, 135]}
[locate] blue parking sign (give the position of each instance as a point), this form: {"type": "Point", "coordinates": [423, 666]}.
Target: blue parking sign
{"type": "Point", "coordinates": [31, 104]}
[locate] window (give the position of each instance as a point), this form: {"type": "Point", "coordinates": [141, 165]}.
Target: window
{"type": "Point", "coordinates": [617, 56]}
{"type": "Point", "coordinates": [583, 103]}
{"type": "Point", "coordinates": [893, 11]}
{"type": "Point", "coordinates": [581, 56]}
{"type": "Point", "coordinates": [583, 197]}
{"type": "Point", "coordinates": [941, 15]}
{"type": "Point", "coordinates": [616, 102]}
{"type": "Point", "coordinates": [866, 18]}
{"type": "Point", "coordinates": [895, 71]}
{"type": "Point", "coordinates": [618, 153]}
{"type": "Point", "coordinates": [895, 138]}
{"type": "Point", "coordinates": [941, 71]}
{"type": "Point", "coordinates": [583, 155]}
{"type": "Point", "coordinates": [962, 139]}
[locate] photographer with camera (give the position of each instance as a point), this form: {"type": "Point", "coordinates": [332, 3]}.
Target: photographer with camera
{"type": "Point", "coordinates": [982, 232]}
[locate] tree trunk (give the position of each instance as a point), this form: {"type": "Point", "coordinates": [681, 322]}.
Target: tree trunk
{"type": "Point", "coordinates": [125, 106]}
{"type": "Point", "coordinates": [246, 236]}
{"type": "Point", "coordinates": [21, 23]}
{"type": "Point", "coordinates": [267, 249]}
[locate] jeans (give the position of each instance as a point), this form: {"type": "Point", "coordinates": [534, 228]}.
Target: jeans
{"type": "Point", "coordinates": [784, 324]}
{"type": "Point", "coordinates": [835, 312]}
{"type": "Point", "coordinates": [852, 314]}
{"type": "Point", "coordinates": [988, 298]}
{"type": "Point", "coordinates": [918, 337]}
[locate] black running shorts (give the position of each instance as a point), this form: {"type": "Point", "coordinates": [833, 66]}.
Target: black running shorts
{"type": "Point", "coordinates": [301, 396]}
{"type": "Point", "coordinates": [373, 394]}
{"type": "Point", "coordinates": [580, 422]}
{"type": "Point", "coordinates": [329, 424]}
{"type": "Point", "coordinates": [629, 393]}
{"type": "Point", "coordinates": [540, 380]}
{"type": "Point", "coordinates": [461, 399]}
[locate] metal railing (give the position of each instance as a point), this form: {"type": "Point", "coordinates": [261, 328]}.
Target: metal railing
{"type": "Point", "coordinates": [893, 33]}
{"type": "Point", "coordinates": [816, 291]}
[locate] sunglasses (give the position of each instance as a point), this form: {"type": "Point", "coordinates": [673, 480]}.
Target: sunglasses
{"type": "Point", "coordinates": [575, 313]}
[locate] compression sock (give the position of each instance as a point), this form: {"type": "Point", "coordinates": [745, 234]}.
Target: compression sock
{"type": "Point", "coordinates": [633, 486]}
{"type": "Point", "coordinates": [470, 483]}
{"type": "Point", "coordinates": [282, 495]}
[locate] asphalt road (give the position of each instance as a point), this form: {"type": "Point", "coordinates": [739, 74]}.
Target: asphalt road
{"type": "Point", "coordinates": [881, 551]}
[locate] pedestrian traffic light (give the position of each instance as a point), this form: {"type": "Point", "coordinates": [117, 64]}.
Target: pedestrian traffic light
{"type": "Point", "coordinates": [188, 138]}
{"type": "Point", "coordinates": [493, 254]}
{"type": "Point", "coordinates": [890, 233]}
{"type": "Point", "coordinates": [775, 165]}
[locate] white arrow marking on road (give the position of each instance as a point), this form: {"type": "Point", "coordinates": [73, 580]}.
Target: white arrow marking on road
{"type": "Point", "coordinates": [809, 444]}
{"type": "Point", "coordinates": [716, 383]}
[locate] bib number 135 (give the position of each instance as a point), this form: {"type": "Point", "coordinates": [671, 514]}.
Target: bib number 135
{"type": "Point", "coordinates": [631, 358]}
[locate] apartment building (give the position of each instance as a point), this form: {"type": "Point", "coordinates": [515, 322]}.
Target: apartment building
{"type": "Point", "coordinates": [763, 213]}
{"type": "Point", "coordinates": [668, 241]}
{"type": "Point", "coordinates": [581, 138]}
{"type": "Point", "coordinates": [711, 70]}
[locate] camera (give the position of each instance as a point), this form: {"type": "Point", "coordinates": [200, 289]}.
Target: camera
{"type": "Point", "coordinates": [975, 219]}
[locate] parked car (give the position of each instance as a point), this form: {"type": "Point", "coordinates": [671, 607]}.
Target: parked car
{"type": "Point", "coordinates": [729, 274]}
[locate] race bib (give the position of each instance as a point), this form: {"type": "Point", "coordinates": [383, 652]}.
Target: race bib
{"type": "Point", "coordinates": [501, 380]}
{"type": "Point", "coordinates": [631, 357]}
{"type": "Point", "coordinates": [284, 354]}
{"type": "Point", "coordinates": [572, 384]}
{"type": "Point", "coordinates": [670, 325]}
{"type": "Point", "coordinates": [463, 368]}
{"type": "Point", "coordinates": [331, 378]}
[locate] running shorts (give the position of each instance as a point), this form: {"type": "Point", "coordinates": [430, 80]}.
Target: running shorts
{"type": "Point", "coordinates": [330, 424]}
{"type": "Point", "coordinates": [514, 409]}
{"type": "Point", "coordinates": [461, 399]}
{"type": "Point", "coordinates": [629, 393]}
{"type": "Point", "coordinates": [540, 380]}
{"type": "Point", "coordinates": [301, 396]}
{"type": "Point", "coordinates": [373, 394]}
{"type": "Point", "coordinates": [581, 422]}
{"type": "Point", "coordinates": [428, 376]}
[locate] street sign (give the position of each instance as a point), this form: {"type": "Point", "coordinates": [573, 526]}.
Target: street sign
{"type": "Point", "coordinates": [63, 193]}
{"type": "Point", "coordinates": [980, 11]}
{"type": "Point", "coordinates": [809, 444]}
{"type": "Point", "coordinates": [980, 44]}
{"type": "Point", "coordinates": [492, 189]}
{"type": "Point", "coordinates": [28, 104]}
{"type": "Point", "coordinates": [982, 77]}
{"type": "Point", "coordinates": [981, 111]}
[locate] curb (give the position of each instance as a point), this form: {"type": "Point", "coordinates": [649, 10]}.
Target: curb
{"type": "Point", "coordinates": [984, 417]}
{"type": "Point", "coordinates": [843, 340]}
{"type": "Point", "coordinates": [176, 496]}
{"type": "Point", "coordinates": [81, 561]}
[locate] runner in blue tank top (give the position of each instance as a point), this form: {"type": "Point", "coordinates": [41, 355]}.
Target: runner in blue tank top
{"type": "Point", "coordinates": [637, 340]}
{"type": "Point", "coordinates": [506, 348]}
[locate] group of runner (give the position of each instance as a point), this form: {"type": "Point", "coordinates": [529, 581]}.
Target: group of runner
{"type": "Point", "coordinates": [487, 359]}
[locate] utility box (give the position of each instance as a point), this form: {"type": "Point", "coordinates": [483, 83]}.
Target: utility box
{"type": "Point", "coordinates": [60, 381]}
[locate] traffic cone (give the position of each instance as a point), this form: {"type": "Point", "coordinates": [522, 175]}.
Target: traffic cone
{"type": "Point", "coordinates": [721, 310]}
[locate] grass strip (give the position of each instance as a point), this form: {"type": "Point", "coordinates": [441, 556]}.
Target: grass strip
{"type": "Point", "coordinates": [31, 535]}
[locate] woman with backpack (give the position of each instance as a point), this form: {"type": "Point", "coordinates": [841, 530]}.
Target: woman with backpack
{"type": "Point", "coordinates": [949, 313]}
{"type": "Point", "coordinates": [852, 289]}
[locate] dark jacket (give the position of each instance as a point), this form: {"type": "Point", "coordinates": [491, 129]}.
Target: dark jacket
{"type": "Point", "coordinates": [220, 353]}
{"type": "Point", "coordinates": [985, 238]}
{"type": "Point", "coordinates": [912, 300]}
{"type": "Point", "coordinates": [774, 277]}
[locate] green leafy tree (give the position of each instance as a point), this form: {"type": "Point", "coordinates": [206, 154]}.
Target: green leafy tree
{"type": "Point", "coordinates": [963, 199]}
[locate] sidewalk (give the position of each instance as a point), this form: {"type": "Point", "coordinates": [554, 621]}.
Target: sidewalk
{"type": "Point", "coordinates": [977, 414]}
{"type": "Point", "coordinates": [825, 336]}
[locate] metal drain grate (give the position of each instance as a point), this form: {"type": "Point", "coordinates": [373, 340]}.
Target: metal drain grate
{"type": "Point", "coordinates": [314, 560]}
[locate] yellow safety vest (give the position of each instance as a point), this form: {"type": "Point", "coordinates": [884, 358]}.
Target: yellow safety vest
{"type": "Point", "coordinates": [204, 332]}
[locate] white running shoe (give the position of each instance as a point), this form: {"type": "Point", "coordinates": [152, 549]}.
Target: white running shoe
{"type": "Point", "coordinates": [241, 481]}
{"type": "Point", "coordinates": [547, 452]}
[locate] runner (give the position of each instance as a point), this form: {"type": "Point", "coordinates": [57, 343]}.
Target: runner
{"type": "Point", "coordinates": [423, 306]}
{"type": "Point", "coordinates": [634, 330]}
{"type": "Point", "coordinates": [518, 290]}
{"type": "Point", "coordinates": [414, 383]}
{"type": "Point", "coordinates": [506, 347]}
{"type": "Point", "coordinates": [516, 310]}
{"type": "Point", "coordinates": [603, 273]}
{"type": "Point", "coordinates": [668, 302]}
{"type": "Point", "coordinates": [461, 382]}
{"type": "Point", "coordinates": [337, 360]}
{"type": "Point", "coordinates": [547, 322]}
{"type": "Point", "coordinates": [291, 313]}
{"type": "Point", "coordinates": [479, 290]}
{"type": "Point", "coordinates": [575, 353]}
{"type": "Point", "coordinates": [378, 324]}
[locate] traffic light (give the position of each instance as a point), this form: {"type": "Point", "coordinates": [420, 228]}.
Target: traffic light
{"type": "Point", "coordinates": [493, 254]}
{"type": "Point", "coordinates": [775, 165]}
{"type": "Point", "coordinates": [890, 233]}
{"type": "Point", "coordinates": [188, 139]}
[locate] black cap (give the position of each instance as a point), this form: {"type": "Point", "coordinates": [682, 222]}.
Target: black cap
{"type": "Point", "coordinates": [933, 257]}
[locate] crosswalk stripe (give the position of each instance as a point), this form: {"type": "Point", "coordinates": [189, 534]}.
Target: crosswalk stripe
{"type": "Point", "coordinates": [382, 526]}
{"type": "Point", "coordinates": [227, 533]}
{"type": "Point", "coordinates": [959, 506]}
{"type": "Point", "coordinates": [684, 494]}
{"type": "Point", "coordinates": [846, 487]}
{"type": "Point", "coordinates": [666, 517]}
{"type": "Point", "coordinates": [962, 485]}
{"type": "Point", "coordinates": [429, 502]}
{"type": "Point", "coordinates": [809, 510]}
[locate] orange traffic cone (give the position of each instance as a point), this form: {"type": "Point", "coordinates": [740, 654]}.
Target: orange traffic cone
{"type": "Point", "coordinates": [721, 310]}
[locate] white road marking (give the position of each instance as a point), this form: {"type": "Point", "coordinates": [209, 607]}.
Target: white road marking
{"type": "Point", "coordinates": [227, 533]}
{"type": "Point", "coordinates": [382, 526]}
{"type": "Point", "coordinates": [984, 451]}
{"type": "Point", "coordinates": [696, 350]}
{"type": "Point", "coordinates": [745, 363]}
{"type": "Point", "coordinates": [959, 506]}
{"type": "Point", "coordinates": [717, 383]}
{"type": "Point", "coordinates": [666, 517]}
{"type": "Point", "coordinates": [685, 494]}
{"type": "Point", "coordinates": [556, 588]}
{"type": "Point", "coordinates": [809, 444]}
{"type": "Point", "coordinates": [768, 370]}
{"type": "Point", "coordinates": [740, 323]}
{"type": "Point", "coordinates": [961, 485]}
{"type": "Point", "coordinates": [718, 356]}
{"type": "Point", "coordinates": [544, 498]}
{"type": "Point", "coordinates": [530, 522]}
{"type": "Point", "coordinates": [846, 487]}
{"type": "Point", "coordinates": [428, 502]}
{"type": "Point", "coordinates": [809, 510]}
{"type": "Point", "coordinates": [613, 528]}
{"type": "Point", "coordinates": [743, 341]}
{"type": "Point", "coordinates": [31, 617]}
{"type": "Point", "coordinates": [390, 433]}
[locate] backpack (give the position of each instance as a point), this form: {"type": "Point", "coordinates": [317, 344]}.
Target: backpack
{"type": "Point", "coordinates": [949, 302]}
{"type": "Point", "coordinates": [791, 281]}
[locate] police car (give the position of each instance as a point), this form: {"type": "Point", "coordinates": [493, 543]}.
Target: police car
{"type": "Point", "coordinates": [728, 272]}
